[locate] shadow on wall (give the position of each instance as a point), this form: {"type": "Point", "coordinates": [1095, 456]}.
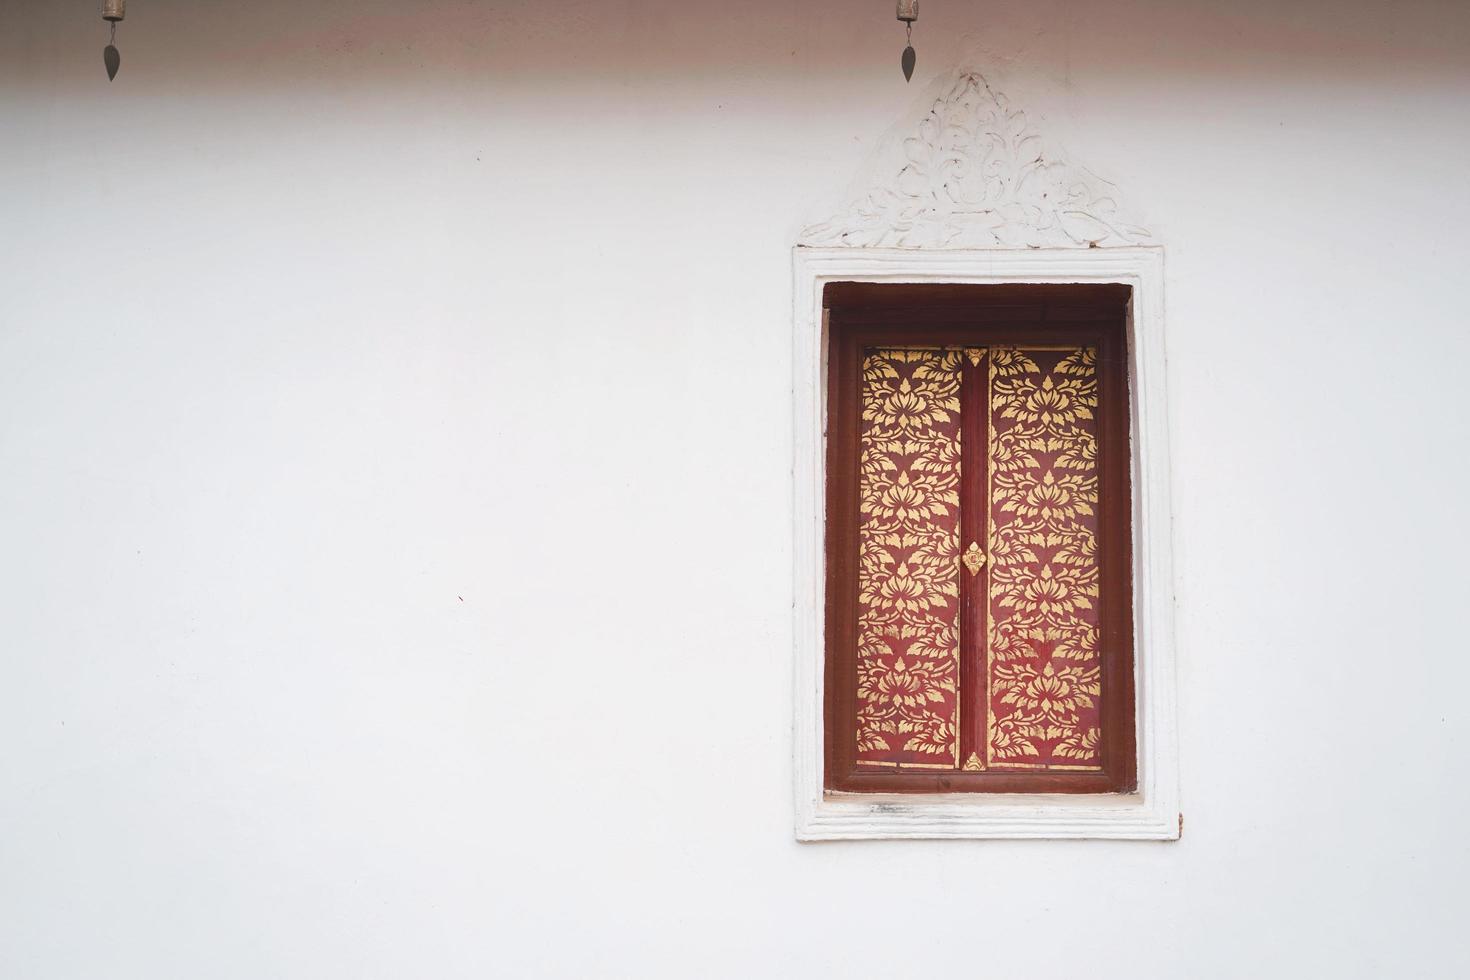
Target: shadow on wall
{"type": "Point", "coordinates": [642, 44]}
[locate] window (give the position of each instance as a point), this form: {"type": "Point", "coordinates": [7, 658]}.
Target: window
{"type": "Point", "coordinates": [979, 607]}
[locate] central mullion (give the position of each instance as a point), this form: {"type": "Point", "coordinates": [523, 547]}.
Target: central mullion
{"type": "Point", "coordinates": [974, 694]}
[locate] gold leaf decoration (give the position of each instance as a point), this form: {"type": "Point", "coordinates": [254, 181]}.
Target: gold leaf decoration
{"type": "Point", "coordinates": [974, 558]}
{"type": "Point", "coordinates": [908, 573]}
{"type": "Point", "coordinates": [1044, 643]}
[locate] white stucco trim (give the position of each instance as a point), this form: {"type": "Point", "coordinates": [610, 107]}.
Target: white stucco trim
{"type": "Point", "coordinates": [1151, 813]}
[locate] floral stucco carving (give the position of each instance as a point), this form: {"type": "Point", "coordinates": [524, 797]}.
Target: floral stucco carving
{"type": "Point", "coordinates": [978, 175]}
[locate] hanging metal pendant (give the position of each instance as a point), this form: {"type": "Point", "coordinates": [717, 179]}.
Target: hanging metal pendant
{"type": "Point", "coordinates": [113, 11]}
{"type": "Point", "coordinates": [908, 12]}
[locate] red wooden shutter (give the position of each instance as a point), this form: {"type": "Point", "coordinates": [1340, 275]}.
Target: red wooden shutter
{"type": "Point", "coordinates": [987, 626]}
{"type": "Point", "coordinates": [1043, 646]}
{"type": "Point", "coordinates": [908, 559]}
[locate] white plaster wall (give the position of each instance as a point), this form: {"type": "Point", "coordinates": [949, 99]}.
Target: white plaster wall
{"type": "Point", "coordinates": [394, 489]}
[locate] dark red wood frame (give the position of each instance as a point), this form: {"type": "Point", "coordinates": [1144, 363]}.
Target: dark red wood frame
{"type": "Point", "coordinates": [864, 315]}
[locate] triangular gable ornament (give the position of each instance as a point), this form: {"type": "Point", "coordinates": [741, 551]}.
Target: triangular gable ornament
{"type": "Point", "coordinates": [977, 175]}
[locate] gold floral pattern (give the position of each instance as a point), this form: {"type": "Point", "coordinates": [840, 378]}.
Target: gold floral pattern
{"type": "Point", "coordinates": [1040, 693]}
{"type": "Point", "coordinates": [908, 559]}
{"type": "Point", "coordinates": [1043, 639]}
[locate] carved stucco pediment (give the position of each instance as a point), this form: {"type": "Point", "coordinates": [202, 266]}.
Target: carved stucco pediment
{"type": "Point", "coordinates": [978, 175]}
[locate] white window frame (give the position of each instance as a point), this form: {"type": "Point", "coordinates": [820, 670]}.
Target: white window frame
{"type": "Point", "coordinates": [1152, 811]}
